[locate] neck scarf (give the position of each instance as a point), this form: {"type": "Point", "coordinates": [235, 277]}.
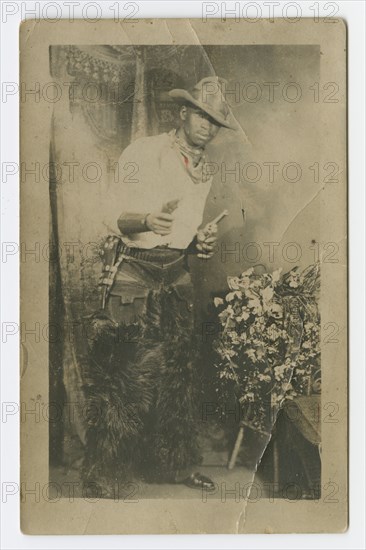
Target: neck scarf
{"type": "Point", "coordinates": [193, 158]}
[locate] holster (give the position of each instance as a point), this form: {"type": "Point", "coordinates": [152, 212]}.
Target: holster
{"type": "Point", "coordinates": [112, 259]}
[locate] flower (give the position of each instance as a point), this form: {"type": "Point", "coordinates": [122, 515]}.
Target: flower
{"type": "Point", "coordinates": [267, 293]}
{"type": "Point", "coordinates": [233, 283]}
{"type": "Point", "coordinates": [230, 297]}
{"type": "Point", "coordinates": [255, 305]}
{"type": "Point", "coordinates": [276, 275]}
{"type": "Point", "coordinates": [275, 310]}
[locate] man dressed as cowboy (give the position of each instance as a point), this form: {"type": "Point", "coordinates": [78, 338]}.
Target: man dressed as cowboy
{"type": "Point", "coordinates": [149, 420]}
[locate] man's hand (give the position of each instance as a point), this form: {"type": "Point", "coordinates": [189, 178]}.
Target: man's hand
{"type": "Point", "coordinates": [160, 223]}
{"type": "Point", "coordinates": [206, 240]}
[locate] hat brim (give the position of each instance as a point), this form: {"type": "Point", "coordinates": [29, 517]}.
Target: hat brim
{"type": "Point", "coordinates": [182, 95]}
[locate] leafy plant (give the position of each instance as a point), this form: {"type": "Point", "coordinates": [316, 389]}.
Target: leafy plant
{"type": "Point", "coordinates": [268, 345]}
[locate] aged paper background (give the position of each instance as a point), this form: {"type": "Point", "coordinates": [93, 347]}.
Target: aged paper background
{"type": "Point", "coordinates": [329, 514]}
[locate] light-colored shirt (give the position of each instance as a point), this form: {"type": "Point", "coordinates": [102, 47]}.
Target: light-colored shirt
{"type": "Point", "coordinates": [151, 173]}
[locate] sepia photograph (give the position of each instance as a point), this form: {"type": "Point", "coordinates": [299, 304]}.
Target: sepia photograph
{"type": "Point", "coordinates": [190, 293]}
{"type": "Point", "coordinates": [193, 288]}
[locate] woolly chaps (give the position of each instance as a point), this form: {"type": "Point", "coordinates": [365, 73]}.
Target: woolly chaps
{"type": "Point", "coordinates": [142, 386]}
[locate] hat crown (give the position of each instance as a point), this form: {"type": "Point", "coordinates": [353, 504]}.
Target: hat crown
{"type": "Point", "coordinates": [207, 95]}
{"type": "Point", "coordinates": [208, 92]}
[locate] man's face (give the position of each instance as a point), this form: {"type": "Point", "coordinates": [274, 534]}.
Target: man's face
{"type": "Point", "coordinates": [198, 126]}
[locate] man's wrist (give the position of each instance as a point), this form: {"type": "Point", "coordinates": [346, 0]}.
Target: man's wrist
{"type": "Point", "coordinates": [131, 222]}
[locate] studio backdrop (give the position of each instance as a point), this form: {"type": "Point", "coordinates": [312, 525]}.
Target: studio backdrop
{"type": "Point", "coordinates": [269, 185]}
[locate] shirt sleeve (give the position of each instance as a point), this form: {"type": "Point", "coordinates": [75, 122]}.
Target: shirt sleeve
{"type": "Point", "coordinates": [131, 190]}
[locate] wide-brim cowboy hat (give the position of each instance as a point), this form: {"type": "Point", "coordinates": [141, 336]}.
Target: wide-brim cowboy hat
{"type": "Point", "coordinates": [207, 95]}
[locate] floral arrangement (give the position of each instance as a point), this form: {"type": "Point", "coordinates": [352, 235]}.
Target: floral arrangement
{"type": "Point", "coordinates": [268, 346]}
